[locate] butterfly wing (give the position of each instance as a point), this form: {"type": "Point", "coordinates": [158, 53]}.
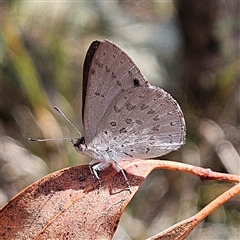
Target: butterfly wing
{"type": "Point", "coordinates": [108, 71]}
{"type": "Point", "coordinates": [141, 123]}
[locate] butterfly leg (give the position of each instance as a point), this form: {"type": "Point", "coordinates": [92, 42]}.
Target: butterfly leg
{"type": "Point", "coordinates": [95, 176]}
{"type": "Point", "coordinates": [96, 166]}
{"type": "Point", "coordinates": [119, 169]}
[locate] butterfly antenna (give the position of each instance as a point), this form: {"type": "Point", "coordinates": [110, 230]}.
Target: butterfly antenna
{"type": "Point", "coordinates": [61, 112]}
{"type": "Point", "coordinates": [56, 139]}
{"type": "Point", "coordinates": [47, 139]}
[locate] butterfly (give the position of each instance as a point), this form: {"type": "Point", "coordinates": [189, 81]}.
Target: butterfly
{"type": "Point", "coordinates": [124, 116]}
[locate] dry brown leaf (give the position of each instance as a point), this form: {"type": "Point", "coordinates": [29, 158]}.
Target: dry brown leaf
{"type": "Point", "coordinates": [68, 205]}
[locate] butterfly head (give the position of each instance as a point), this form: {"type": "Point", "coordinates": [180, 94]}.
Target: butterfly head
{"type": "Point", "coordinates": [79, 144]}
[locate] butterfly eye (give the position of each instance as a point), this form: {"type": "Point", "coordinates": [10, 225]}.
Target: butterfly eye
{"type": "Point", "coordinates": [79, 144]}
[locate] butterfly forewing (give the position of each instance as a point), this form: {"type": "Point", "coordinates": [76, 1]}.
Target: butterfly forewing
{"type": "Point", "coordinates": [109, 72]}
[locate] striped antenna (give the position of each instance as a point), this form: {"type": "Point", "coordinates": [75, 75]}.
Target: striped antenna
{"type": "Point", "coordinates": [61, 112]}
{"type": "Point", "coordinates": [48, 139]}
{"type": "Point", "coordinates": [57, 139]}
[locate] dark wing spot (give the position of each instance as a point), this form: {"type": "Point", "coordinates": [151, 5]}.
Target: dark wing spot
{"type": "Point", "coordinates": [116, 109]}
{"type": "Point", "coordinates": [123, 130]}
{"type": "Point", "coordinates": [130, 107]}
{"type": "Point", "coordinates": [128, 120]}
{"type": "Point", "coordinates": [156, 118]}
{"type": "Point", "coordinates": [114, 75]}
{"type": "Point", "coordinates": [138, 122]}
{"type": "Point", "coordinates": [157, 97]}
{"type": "Point", "coordinates": [128, 154]}
{"type": "Point", "coordinates": [156, 128]}
{"type": "Point", "coordinates": [151, 111]}
{"type": "Point", "coordinates": [119, 83]}
{"type": "Point", "coordinates": [136, 82]}
{"type": "Point", "coordinates": [113, 124]}
{"type": "Point", "coordinates": [144, 106]}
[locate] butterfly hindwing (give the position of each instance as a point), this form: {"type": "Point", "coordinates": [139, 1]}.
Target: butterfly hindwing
{"type": "Point", "coordinates": [142, 123]}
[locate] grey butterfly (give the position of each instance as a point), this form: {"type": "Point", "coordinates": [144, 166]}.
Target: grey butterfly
{"type": "Point", "coordinates": [124, 117]}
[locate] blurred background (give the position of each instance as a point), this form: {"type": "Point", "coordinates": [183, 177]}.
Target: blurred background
{"type": "Point", "coordinates": [189, 48]}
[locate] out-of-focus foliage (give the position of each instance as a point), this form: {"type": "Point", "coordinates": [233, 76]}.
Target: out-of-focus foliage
{"type": "Point", "coordinates": [43, 45]}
